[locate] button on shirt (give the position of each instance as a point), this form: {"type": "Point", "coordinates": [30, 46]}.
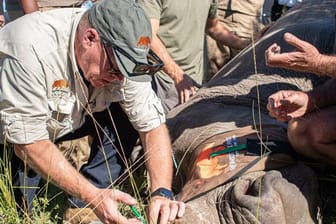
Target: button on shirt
{"type": "Point", "coordinates": [42, 94]}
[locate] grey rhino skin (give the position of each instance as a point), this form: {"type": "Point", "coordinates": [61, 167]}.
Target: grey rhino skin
{"type": "Point", "coordinates": [236, 96]}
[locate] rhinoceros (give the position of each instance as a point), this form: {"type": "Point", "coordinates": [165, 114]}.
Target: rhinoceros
{"type": "Point", "coordinates": [267, 185]}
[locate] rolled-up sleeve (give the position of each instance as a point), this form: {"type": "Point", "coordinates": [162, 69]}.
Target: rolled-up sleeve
{"type": "Point", "coordinates": [23, 105]}
{"type": "Point", "coordinates": [142, 106]}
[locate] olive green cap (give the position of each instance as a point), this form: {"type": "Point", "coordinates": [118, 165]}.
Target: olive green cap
{"type": "Point", "coordinates": [124, 24]}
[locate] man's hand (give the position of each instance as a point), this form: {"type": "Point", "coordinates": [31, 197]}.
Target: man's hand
{"type": "Point", "coordinates": [287, 104]}
{"type": "Point", "coordinates": [162, 210]}
{"type": "Point", "coordinates": [2, 21]}
{"type": "Point", "coordinates": [105, 206]}
{"type": "Point", "coordinates": [185, 88]}
{"type": "Point", "coordinates": [305, 58]}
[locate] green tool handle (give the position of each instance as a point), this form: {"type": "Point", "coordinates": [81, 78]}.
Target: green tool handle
{"type": "Point", "coordinates": [228, 150]}
{"type": "Point", "coordinates": [137, 214]}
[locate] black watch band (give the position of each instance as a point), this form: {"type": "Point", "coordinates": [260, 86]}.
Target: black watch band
{"type": "Point", "coordinates": [163, 192]}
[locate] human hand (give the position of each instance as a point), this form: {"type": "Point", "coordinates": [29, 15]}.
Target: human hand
{"type": "Point", "coordinates": [185, 88]}
{"type": "Point", "coordinates": [163, 210]}
{"type": "Point", "coordinates": [105, 206]}
{"type": "Point", "coordinates": [304, 58]}
{"type": "Point", "coordinates": [2, 21]}
{"type": "Point", "coordinates": [287, 104]}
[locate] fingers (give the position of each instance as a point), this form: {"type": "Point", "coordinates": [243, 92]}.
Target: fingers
{"type": "Point", "coordinates": [275, 107]}
{"type": "Point", "coordinates": [284, 105]}
{"type": "Point", "coordinates": [296, 42]}
{"type": "Point", "coordinates": [154, 211]}
{"type": "Point", "coordinates": [181, 209]}
{"type": "Point", "coordinates": [273, 57]}
{"type": "Point", "coordinates": [291, 59]}
{"type": "Point", "coordinates": [176, 210]}
{"type": "Point", "coordinates": [107, 209]}
{"type": "Point", "coordinates": [186, 88]}
{"type": "Point", "coordinates": [165, 211]}
{"type": "Point", "coordinates": [123, 197]}
{"type": "Point", "coordinates": [186, 94]}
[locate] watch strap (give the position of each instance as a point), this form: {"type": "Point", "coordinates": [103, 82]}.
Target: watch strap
{"type": "Point", "coordinates": [163, 192]}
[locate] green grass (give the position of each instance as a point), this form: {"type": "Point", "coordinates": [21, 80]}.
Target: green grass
{"type": "Point", "coordinates": [49, 206]}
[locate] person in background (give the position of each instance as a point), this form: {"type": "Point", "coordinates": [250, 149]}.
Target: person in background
{"type": "Point", "coordinates": [244, 18]}
{"type": "Point", "coordinates": [14, 9]}
{"type": "Point", "coordinates": [83, 72]}
{"type": "Point", "coordinates": [2, 19]}
{"type": "Point", "coordinates": [52, 4]}
{"type": "Point", "coordinates": [10, 10]}
{"type": "Point", "coordinates": [310, 115]}
{"type": "Point", "coordinates": [179, 29]}
{"type": "Point", "coordinates": [29, 6]}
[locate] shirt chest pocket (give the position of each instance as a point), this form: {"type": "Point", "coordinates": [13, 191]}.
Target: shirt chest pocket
{"type": "Point", "coordinates": [60, 117]}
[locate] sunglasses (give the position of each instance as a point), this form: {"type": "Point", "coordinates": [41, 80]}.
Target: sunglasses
{"type": "Point", "coordinates": [112, 70]}
{"type": "Point", "coordinates": [154, 63]}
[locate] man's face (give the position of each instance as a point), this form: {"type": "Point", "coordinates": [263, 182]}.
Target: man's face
{"type": "Point", "coordinates": [102, 68]}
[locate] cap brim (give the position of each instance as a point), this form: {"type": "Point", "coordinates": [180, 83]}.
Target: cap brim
{"type": "Point", "coordinates": [125, 63]}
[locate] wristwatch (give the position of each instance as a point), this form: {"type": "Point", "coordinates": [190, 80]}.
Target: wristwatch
{"type": "Point", "coordinates": [163, 192]}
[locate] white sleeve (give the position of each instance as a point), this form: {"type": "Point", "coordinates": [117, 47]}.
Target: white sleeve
{"type": "Point", "coordinates": [142, 106]}
{"type": "Point", "coordinates": [23, 103]}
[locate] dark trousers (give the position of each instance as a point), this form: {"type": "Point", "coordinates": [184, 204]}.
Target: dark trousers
{"type": "Point", "coordinates": [103, 153]}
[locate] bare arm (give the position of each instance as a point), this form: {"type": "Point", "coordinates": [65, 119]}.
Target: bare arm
{"type": "Point", "coordinates": [219, 32]}
{"type": "Point", "coordinates": [183, 82]}
{"type": "Point", "coordinates": [158, 157]}
{"type": "Point", "coordinates": [323, 95]}
{"type": "Point", "coordinates": [2, 20]}
{"type": "Point", "coordinates": [305, 57]}
{"type": "Point", "coordinates": [29, 6]}
{"type": "Point", "coordinates": [44, 157]}
{"type": "Point", "coordinates": [160, 167]}
{"type": "Point", "coordinates": [2, 17]}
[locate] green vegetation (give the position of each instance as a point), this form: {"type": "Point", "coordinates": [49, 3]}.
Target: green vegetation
{"type": "Point", "coordinates": [49, 206]}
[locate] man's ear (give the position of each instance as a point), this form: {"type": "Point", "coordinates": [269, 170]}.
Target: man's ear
{"type": "Point", "coordinates": [90, 37]}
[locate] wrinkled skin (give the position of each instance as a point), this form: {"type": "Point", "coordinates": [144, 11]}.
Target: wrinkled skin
{"type": "Point", "coordinates": [243, 85]}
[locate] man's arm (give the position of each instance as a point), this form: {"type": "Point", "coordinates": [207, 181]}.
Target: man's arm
{"type": "Point", "coordinates": [29, 6]}
{"type": "Point", "coordinates": [219, 32]}
{"type": "Point", "coordinates": [158, 157]}
{"type": "Point", "coordinates": [183, 83]}
{"type": "Point", "coordinates": [2, 17]}
{"type": "Point", "coordinates": [159, 164]}
{"type": "Point", "coordinates": [44, 157]}
{"type": "Point", "coordinates": [2, 20]}
{"type": "Point", "coordinates": [322, 96]}
{"type": "Point", "coordinates": [305, 57]}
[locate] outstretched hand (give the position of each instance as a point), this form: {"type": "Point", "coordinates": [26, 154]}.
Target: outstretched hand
{"type": "Point", "coordinates": [287, 104]}
{"type": "Point", "coordinates": [304, 58]}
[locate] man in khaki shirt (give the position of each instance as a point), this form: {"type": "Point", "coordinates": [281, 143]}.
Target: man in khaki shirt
{"type": "Point", "coordinates": [243, 18]}
{"type": "Point", "coordinates": [68, 73]}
